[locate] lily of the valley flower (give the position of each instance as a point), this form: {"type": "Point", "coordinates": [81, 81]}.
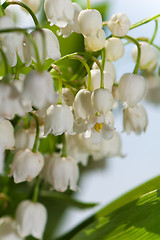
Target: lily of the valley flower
{"type": "Point", "coordinates": [131, 89]}
{"type": "Point", "coordinates": [114, 49]}
{"type": "Point", "coordinates": [135, 119]}
{"type": "Point", "coordinates": [34, 5]}
{"type": "Point", "coordinates": [119, 24]}
{"type": "Point", "coordinates": [24, 138]}
{"type": "Point", "coordinates": [62, 172]}
{"type": "Point", "coordinates": [31, 219]}
{"type": "Point", "coordinates": [59, 12]}
{"type": "Point", "coordinates": [26, 165]}
{"type": "Point", "coordinates": [95, 42]}
{"type": "Point", "coordinates": [7, 139]}
{"type": "Point", "coordinates": [59, 119]}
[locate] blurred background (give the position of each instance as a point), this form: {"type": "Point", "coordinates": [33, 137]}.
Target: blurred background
{"type": "Point", "coordinates": [104, 181]}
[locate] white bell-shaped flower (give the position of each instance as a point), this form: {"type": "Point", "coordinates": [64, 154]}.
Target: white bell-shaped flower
{"type": "Point", "coordinates": [108, 68]}
{"type": "Point", "coordinates": [7, 139]}
{"type": "Point", "coordinates": [102, 100]}
{"type": "Point", "coordinates": [39, 89]}
{"type": "Point", "coordinates": [82, 104]}
{"type": "Point", "coordinates": [67, 96]}
{"type": "Point", "coordinates": [51, 47]}
{"type": "Point", "coordinates": [34, 5]}
{"type": "Point", "coordinates": [24, 138]}
{"type": "Point", "coordinates": [11, 102]}
{"type": "Point", "coordinates": [11, 43]}
{"type": "Point", "coordinates": [90, 22]}
{"type": "Point", "coordinates": [96, 80]}
{"type": "Point", "coordinates": [8, 229]}
{"type": "Point", "coordinates": [119, 24]}
{"type": "Point", "coordinates": [31, 219]}
{"type": "Point", "coordinates": [148, 57]}
{"type": "Point", "coordinates": [26, 165]}
{"type": "Point", "coordinates": [72, 26]}
{"type": "Point", "coordinates": [95, 42]}
{"type": "Point", "coordinates": [135, 119]}
{"type": "Point", "coordinates": [59, 119]}
{"type": "Point", "coordinates": [114, 49]}
{"type": "Point", "coordinates": [59, 12]}
{"type": "Point", "coordinates": [131, 89]}
{"type": "Point", "coordinates": [62, 172]}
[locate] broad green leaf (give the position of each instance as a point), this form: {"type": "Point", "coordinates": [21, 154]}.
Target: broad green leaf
{"type": "Point", "coordinates": [139, 219]}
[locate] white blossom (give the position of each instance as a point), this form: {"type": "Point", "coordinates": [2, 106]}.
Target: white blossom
{"type": "Point", "coordinates": [119, 24]}
{"type": "Point", "coordinates": [31, 219]}
{"type": "Point", "coordinates": [114, 49]}
{"type": "Point", "coordinates": [95, 42]}
{"type": "Point", "coordinates": [8, 230]}
{"type": "Point", "coordinates": [26, 165]}
{"type": "Point", "coordinates": [135, 119]}
{"type": "Point", "coordinates": [7, 139]}
{"type": "Point", "coordinates": [131, 89]}
{"type": "Point", "coordinates": [62, 172]}
{"type": "Point", "coordinates": [34, 5]}
{"type": "Point", "coordinates": [148, 57]}
{"type": "Point", "coordinates": [67, 96]}
{"type": "Point", "coordinates": [59, 119]}
{"type": "Point", "coordinates": [96, 80]}
{"type": "Point", "coordinates": [39, 89]}
{"type": "Point", "coordinates": [24, 138]}
{"type": "Point", "coordinates": [90, 22]}
{"type": "Point", "coordinates": [59, 12]}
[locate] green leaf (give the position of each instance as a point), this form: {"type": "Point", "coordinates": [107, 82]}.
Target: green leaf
{"type": "Point", "coordinates": [138, 219]}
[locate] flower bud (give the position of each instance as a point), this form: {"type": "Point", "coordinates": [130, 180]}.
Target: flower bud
{"type": "Point", "coordinates": [135, 119]}
{"type": "Point", "coordinates": [114, 49]}
{"type": "Point", "coordinates": [31, 219]}
{"type": "Point", "coordinates": [34, 5]}
{"type": "Point", "coordinates": [67, 96]}
{"type": "Point", "coordinates": [95, 42]}
{"type": "Point", "coordinates": [102, 100]}
{"type": "Point", "coordinates": [90, 22]}
{"type": "Point", "coordinates": [26, 165]}
{"type": "Point", "coordinates": [24, 138]}
{"type": "Point", "coordinates": [59, 119]}
{"type": "Point", "coordinates": [131, 89]}
{"type": "Point", "coordinates": [119, 24]}
{"type": "Point", "coordinates": [7, 139]}
{"type": "Point", "coordinates": [96, 80]}
{"type": "Point", "coordinates": [59, 12]}
{"type": "Point", "coordinates": [148, 57]}
{"type": "Point", "coordinates": [8, 229]}
{"type": "Point", "coordinates": [62, 172]}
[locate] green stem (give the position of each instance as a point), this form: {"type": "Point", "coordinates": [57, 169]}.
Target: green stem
{"type": "Point", "coordinates": [35, 146]}
{"type": "Point", "coordinates": [2, 12]}
{"type": "Point", "coordinates": [144, 21]}
{"type": "Point", "coordinates": [88, 4]}
{"type": "Point", "coordinates": [64, 149]}
{"type": "Point", "coordinates": [36, 190]}
{"type": "Point", "coordinates": [6, 4]}
{"type": "Point", "coordinates": [129, 38]}
{"type": "Point", "coordinates": [5, 61]}
{"type": "Point", "coordinates": [155, 32]}
{"type": "Point", "coordinates": [103, 64]}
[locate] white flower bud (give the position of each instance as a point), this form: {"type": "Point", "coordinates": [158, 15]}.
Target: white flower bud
{"type": "Point", "coordinates": [24, 138]}
{"type": "Point", "coordinates": [90, 22]}
{"type": "Point", "coordinates": [59, 12]}
{"type": "Point", "coordinates": [148, 58]}
{"type": "Point", "coordinates": [102, 100]}
{"type": "Point", "coordinates": [51, 47]}
{"type": "Point", "coordinates": [67, 96]}
{"type": "Point", "coordinates": [26, 165]}
{"type": "Point", "coordinates": [34, 5]}
{"type": "Point", "coordinates": [31, 219]}
{"type": "Point", "coordinates": [108, 68]}
{"type": "Point", "coordinates": [114, 49]}
{"type": "Point", "coordinates": [82, 104]}
{"type": "Point", "coordinates": [39, 89]}
{"type": "Point", "coordinates": [62, 172]}
{"type": "Point", "coordinates": [59, 119]}
{"type": "Point", "coordinates": [72, 26]}
{"type": "Point", "coordinates": [95, 42]}
{"type": "Point", "coordinates": [8, 230]}
{"type": "Point", "coordinates": [135, 119]}
{"type": "Point", "coordinates": [7, 139]}
{"type": "Point", "coordinates": [96, 80]}
{"type": "Point", "coordinates": [119, 24]}
{"type": "Point", "coordinates": [131, 89]}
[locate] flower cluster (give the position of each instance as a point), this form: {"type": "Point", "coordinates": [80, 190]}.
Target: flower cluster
{"type": "Point", "coordinates": [74, 115]}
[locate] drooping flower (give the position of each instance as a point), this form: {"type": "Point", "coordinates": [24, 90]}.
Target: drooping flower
{"type": "Point", "coordinates": [114, 49]}
{"type": "Point", "coordinates": [95, 42]}
{"type": "Point", "coordinates": [31, 219]}
{"type": "Point", "coordinates": [26, 165]}
{"type": "Point", "coordinates": [7, 139]}
{"type": "Point", "coordinates": [24, 138]}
